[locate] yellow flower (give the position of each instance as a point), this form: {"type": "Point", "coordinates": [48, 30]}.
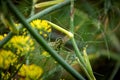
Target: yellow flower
{"type": "Point", "coordinates": [7, 58]}
{"type": "Point", "coordinates": [22, 44]}
{"type": "Point", "coordinates": [30, 71]}
{"type": "Point", "coordinates": [42, 26]}
{"type": "Point", "coordinates": [46, 54]}
{"type": "Point", "coordinates": [2, 36]}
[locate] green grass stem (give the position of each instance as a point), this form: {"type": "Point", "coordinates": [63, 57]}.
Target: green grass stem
{"type": "Point", "coordinates": [6, 39]}
{"type": "Point", "coordinates": [61, 29]}
{"type": "Point", "coordinates": [115, 70]}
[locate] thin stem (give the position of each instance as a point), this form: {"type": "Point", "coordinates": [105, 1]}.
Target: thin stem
{"type": "Point", "coordinates": [86, 67]}
{"type": "Point", "coordinates": [115, 70]}
{"type": "Point", "coordinates": [114, 40]}
{"type": "Point", "coordinates": [61, 29]}
{"type": "Point", "coordinates": [78, 54]}
{"type": "Point", "coordinates": [43, 43]}
{"type": "Point", "coordinates": [72, 30]}
{"type": "Point", "coordinates": [47, 3]}
{"type": "Point", "coordinates": [72, 16]}
{"type": "Point", "coordinates": [104, 37]}
{"type": "Point", "coordinates": [49, 73]}
{"type": "Point", "coordinates": [33, 8]}
{"type": "Point", "coordinates": [6, 39]}
{"type": "Point", "coordinates": [80, 57]}
{"type": "Point", "coordinates": [15, 71]}
{"type": "Point", "coordinates": [18, 68]}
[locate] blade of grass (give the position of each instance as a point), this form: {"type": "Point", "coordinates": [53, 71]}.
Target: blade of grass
{"type": "Point", "coordinates": [88, 65]}
{"type": "Point", "coordinates": [47, 3]}
{"type": "Point", "coordinates": [80, 58]}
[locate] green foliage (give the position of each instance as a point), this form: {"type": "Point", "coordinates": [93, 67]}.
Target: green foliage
{"type": "Point", "coordinates": [96, 25]}
{"type": "Point", "coordinates": [25, 6]}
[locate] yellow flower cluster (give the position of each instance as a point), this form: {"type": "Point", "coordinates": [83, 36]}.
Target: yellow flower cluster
{"type": "Point", "coordinates": [46, 54]}
{"type": "Point", "coordinates": [22, 44]}
{"type": "Point", "coordinates": [42, 26]}
{"type": "Point", "coordinates": [7, 58]}
{"type": "Point", "coordinates": [2, 36]}
{"type": "Point", "coordinates": [30, 72]}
